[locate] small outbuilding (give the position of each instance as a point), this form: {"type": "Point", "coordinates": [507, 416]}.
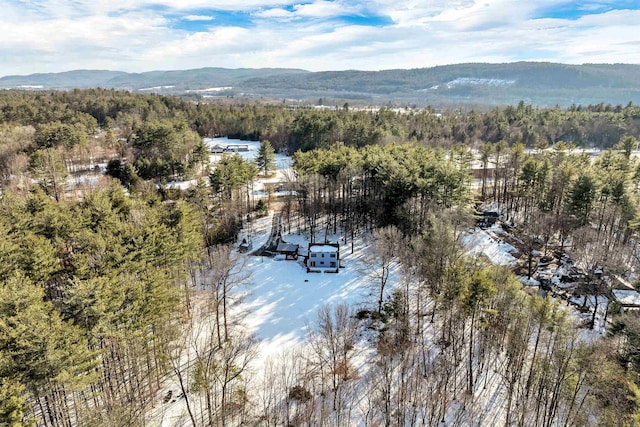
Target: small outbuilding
{"type": "Point", "coordinates": [245, 246]}
{"type": "Point", "coordinates": [323, 257]}
{"type": "Point", "coordinates": [628, 299]}
{"type": "Point", "coordinates": [289, 250]}
{"type": "Point", "coordinates": [487, 219]}
{"type": "Point", "coordinates": [236, 148]}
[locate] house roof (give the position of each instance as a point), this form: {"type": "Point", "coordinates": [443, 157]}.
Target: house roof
{"type": "Point", "coordinates": [286, 247]}
{"type": "Point", "coordinates": [627, 297]}
{"type": "Point", "coordinates": [323, 248]}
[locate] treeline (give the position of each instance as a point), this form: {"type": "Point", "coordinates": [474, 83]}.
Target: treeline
{"type": "Point", "coordinates": [299, 128]}
{"type": "Point", "coordinates": [379, 185]}
{"type": "Point", "coordinates": [49, 135]}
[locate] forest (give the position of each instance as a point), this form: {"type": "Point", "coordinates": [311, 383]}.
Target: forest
{"type": "Point", "coordinates": [110, 290]}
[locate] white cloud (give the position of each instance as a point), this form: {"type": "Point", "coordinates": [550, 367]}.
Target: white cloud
{"type": "Point", "coordinates": [229, 5]}
{"type": "Point", "coordinates": [219, 41]}
{"type": "Point", "coordinates": [56, 35]}
{"type": "Point", "coordinates": [198, 18]}
{"type": "Point", "coordinates": [319, 9]}
{"type": "Point", "coordinates": [276, 13]}
{"type": "Point", "coordinates": [324, 9]}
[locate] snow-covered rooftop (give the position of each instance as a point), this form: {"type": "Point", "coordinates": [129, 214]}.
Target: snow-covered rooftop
{"type": "Point", "coordinates": [286, 247]}
{"type": "Point", "coordinates": [528, 282]}
{"type": "Point", "coordinates": [627, 297]}
{"type": "Point", "coordinates": [323, 248]}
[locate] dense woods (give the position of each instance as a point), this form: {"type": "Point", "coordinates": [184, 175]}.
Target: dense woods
{"type": "Point", "coordinates": [292, 128]}
{"type": "Point", "coordinates": [107, 293]}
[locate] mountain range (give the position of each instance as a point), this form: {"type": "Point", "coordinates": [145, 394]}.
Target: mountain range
{"type": "Point", "coordinates": [537, 83]}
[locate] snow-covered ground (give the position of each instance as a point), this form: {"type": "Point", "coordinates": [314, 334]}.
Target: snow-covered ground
{"type": "Point", "coordinates": [489, 244]}
{"type": "Point", "coordinates": [182, 185]}
{"type": "Point", "coordinates": [285, 298]}
{"type": "Point", "coordinates": [281, 300]}
{"type": "Point", "coordinates": [282, 161]}
{"type": "Point", "coordinates": [283, 164]}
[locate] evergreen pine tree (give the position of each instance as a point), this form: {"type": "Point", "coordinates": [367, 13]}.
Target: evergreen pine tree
{"type": "Point", "coordinates": [266, 158]}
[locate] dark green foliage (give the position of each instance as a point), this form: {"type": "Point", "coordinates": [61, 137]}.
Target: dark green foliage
{"type": "Point", "coordinates": [392, 176]}
{"type": "Point", "coordinates": [165, 149]}
{"type": "Point", "coordinates": [123, 172]}
{"type": "Point", "coordinates": [13, 404]}
{"type": "Point", "coordinates": [261, 207]}
{"type": "Point", "coordinates": [85, 282]}
{"type": "Point", "coordinates": [231, 174]}
{"type": "Point", "coordinates": [266, 158]}
{"type": "Point", "coordinates": [56, 134]}
{"type": "Point", "coordinates": [582, 195]}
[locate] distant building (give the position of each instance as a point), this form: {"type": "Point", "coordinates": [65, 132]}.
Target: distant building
{"type": "Point", "coordinates": [235, 148]}
{"type": "Point", "coordinates": [217, 149]}
{"type": "Point", "coordinates": [323, 257]}
{"type": "Point", "coordinates": [231, 148]}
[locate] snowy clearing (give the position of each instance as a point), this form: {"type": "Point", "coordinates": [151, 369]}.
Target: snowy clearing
{"type": "Point", "coordinates": [487, 243]}
{"type": "Point", "coordinates": [281, 300]}
{"type": "Point", "coordinates": [285, 298]}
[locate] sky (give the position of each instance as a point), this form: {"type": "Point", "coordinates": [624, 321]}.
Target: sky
{"type": "Point", "coordinates": [144, 35]}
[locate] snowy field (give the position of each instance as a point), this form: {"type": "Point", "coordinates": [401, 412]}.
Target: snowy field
{"type": "Point", "coordinates": [281, 300]}
{"type": "Point", "coordinates": [282, 161]}
{"type": "Point", "coordinates": [285, 298]}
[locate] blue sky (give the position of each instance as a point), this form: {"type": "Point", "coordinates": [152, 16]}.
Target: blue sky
{"type": "Point", "coordinates": [142, 35]}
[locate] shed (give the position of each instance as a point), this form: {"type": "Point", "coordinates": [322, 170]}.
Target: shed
{"type": "Point", "coordinates": [629, 299]}
{"type": "Point", "coordinates": [289, 250]}
{"type": "Point", "coordinates": [235, 148]}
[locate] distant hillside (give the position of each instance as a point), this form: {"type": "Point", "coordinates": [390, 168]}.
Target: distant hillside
{"type": "Point", "coordinates": [65, 80]}
{"type": "Point", "coordinates": [538, 83]}
{"type": "Point", "coordinates": [200, 78]}
{"type": "Point", "coordinates": [535, 82]}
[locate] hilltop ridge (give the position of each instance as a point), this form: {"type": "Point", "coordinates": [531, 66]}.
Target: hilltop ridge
{"type": "Point", "coordinates": [537, 83]}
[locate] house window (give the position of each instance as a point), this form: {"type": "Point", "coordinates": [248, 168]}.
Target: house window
{"type": "Point", "coordinates": [313, 255]}
{"type": "Point", "coordinates": [332, 255]}
{"type": "Point", "coordinates": [333, 263]}
{"type": "Point", "coordinates": [313, 263]}
{"type": "Point", "coordinates": [322, 255]}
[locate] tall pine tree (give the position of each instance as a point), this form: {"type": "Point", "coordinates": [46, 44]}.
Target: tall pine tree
{"type": "Point", "coordinates": [266, 159]}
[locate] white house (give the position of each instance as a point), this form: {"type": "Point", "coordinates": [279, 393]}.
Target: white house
{"type": "Point", "coordinates": [323, 257]}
